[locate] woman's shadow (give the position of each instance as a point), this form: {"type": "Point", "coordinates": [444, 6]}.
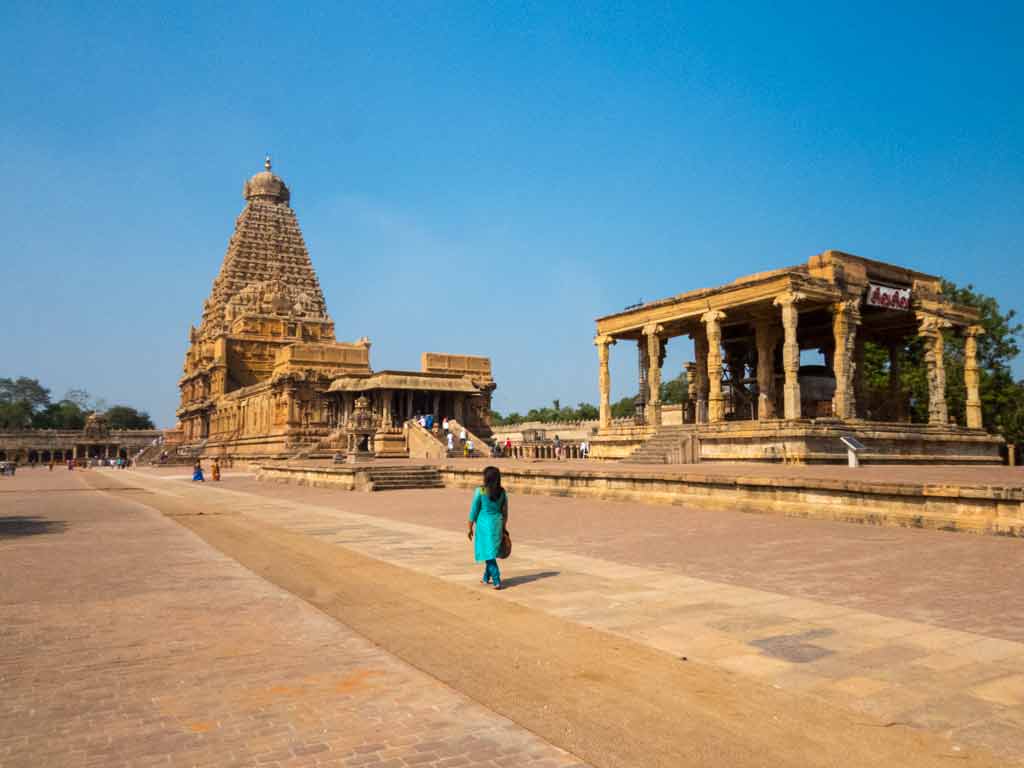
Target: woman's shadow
{"type": "Point", "coordinates": [515, 581]}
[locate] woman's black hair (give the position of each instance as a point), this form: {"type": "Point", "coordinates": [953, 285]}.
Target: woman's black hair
{"type": "Point", "coordinates": [492, 482]}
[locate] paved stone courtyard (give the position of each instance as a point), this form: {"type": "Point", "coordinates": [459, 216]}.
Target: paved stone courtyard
{"type": "Point", "coordinates": [127, 641]}
{"type": "Point", "coordinates": [919, 628]}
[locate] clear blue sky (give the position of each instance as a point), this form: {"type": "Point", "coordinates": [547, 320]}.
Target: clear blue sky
{"type": "Point", "coordinates": [487, 177]}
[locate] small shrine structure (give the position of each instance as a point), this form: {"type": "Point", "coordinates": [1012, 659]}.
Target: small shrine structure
{"type": "Point", "coordinates": [750, 398]}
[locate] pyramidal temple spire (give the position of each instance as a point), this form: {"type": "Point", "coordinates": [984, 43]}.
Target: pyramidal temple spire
{"type": "Point", "coordinates": [266, 256]}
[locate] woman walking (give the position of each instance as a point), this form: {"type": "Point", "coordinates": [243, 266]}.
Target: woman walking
{"type": "Point", "coordinates": [197, 473]}
{"type": "Point", "coordinates": [489, 514]}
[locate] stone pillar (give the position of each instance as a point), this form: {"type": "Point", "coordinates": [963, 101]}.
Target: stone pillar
{"type": "Point", "coordinates": [408, 404]}
{"type": "Point", "coordinates": [766, 336]}
{"type": "Point", "coordinates": [845, 319]}
{"type": "Point", "coordinates": [437, 406]}
{"type": "Point", "coordinates": [896, 399]}
{"type": "Point", "coordinates": [385, 409]}
{"type": "Point", "coordinates": [293, 412]}
{"type": "Point", "coordinates": [651, 334]}
{"type": "Point", "coordinates": [712, 325]}
{"type": "Point", "coordinates": [644, 366]}
{"type": "Point", "coordinates": [690, 415]}
{"type": "Point", "coordinates": [604, 381]}
{"type": "Point", "coordinates": [700, 354]}
{"type": "Point", "coordinates": [931, 328]}
{"type": "Point", "coordinates": [972, 376]}
{"type": "Point", "coordinates": [790, 354]}
{"type": "Point", "coordinates": [860, 397]}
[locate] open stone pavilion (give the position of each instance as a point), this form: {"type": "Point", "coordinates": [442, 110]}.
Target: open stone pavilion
{"type": "Point", "coordinates": [752, 400]}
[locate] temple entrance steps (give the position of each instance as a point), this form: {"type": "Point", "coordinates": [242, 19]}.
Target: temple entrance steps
{"type": "Point", "coordinates": [404, 478]}
{"type": "Point", "coordinates": [150, 454]}
{"type": "Point", "coordinates": [669, 445]}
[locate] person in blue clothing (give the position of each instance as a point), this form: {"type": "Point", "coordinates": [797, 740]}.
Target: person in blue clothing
{"type": "Point", "coordinates": [489, 515]}
{"type": "Point", "coordinates": [197, 473]}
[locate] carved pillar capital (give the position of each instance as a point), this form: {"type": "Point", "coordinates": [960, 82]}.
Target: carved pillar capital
{"type": "Point", "coordinates": [604, 340]}
{"type": "Point", "coordinates": [712, 317]}
{"type": "Point", "coordinates": [973, 331]}
{"type": "Point", "coordinates": [930, 325]}
{"type": "Point", "coordinates": [653, 329]}
{"type": "Point", "coordinates": [848, 309]}
{"type": "Point", "coordinates": [788, 299]}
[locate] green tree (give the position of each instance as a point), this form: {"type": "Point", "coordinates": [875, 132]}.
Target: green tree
{"type": "Point", "coordinates": [675, 391]}
{"type": "Point", "coordinates": [20, 400]}
{"type": "Point", "coordinates": [15, 415]}
{"type": "Point", "coordinates": [1002, 398]}
{"type": "Point", "coordinates": [24, 390]}
{"type": "Point", "coordinates": [64, 414]}
{"type": "Point", "coordinates": [126, 417]}
{"type": "Point", "coordinates": [624, 408]}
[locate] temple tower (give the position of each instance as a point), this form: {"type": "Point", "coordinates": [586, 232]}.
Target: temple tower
{"type": "Point", "coordinates": [265, 298]}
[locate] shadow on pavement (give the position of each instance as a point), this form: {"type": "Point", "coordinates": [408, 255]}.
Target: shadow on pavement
{"type": "Point", "coordinates": [18, 525]}
{"type": "Point", "coordinates": [515, 581]}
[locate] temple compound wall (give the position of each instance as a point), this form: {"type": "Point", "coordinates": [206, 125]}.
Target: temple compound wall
{"type": "Point", "coordinates": [264, 375]}
{"type": "Point", "coordinates": [94, 441]}
{"type": "Point", "coordinates": [751, 399]}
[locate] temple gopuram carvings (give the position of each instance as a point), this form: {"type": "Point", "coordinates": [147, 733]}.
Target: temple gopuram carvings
{"type": "Point", "coordinates": [264, 375]}
{"type": "Point", "coordinates": [750, 397]}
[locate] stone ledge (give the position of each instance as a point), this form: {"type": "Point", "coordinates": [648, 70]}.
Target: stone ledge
{"type": "Point", "coordinates": [992, 510]}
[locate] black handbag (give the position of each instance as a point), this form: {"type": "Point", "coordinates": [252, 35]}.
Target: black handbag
{"type": "Point", "coordinates": [506, 545]}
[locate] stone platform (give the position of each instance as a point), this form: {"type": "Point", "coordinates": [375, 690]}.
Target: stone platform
{"type": "Point", "coordinates": [987, 500]}
{"type": "Point", "coordinates": [814, 441]}
{"type": "Point", "coordinates": [370, 476]}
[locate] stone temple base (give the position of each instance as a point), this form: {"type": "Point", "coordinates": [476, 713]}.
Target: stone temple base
{"type": "Point", "coordinates": [816, 441]}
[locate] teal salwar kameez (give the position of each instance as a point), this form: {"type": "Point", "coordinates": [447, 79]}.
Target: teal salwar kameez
{"type": "Point", "coordinates": [487, 516]}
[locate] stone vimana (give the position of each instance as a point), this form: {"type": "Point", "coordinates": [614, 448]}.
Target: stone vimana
{"type": "Point", "coordinates": [264, 375]}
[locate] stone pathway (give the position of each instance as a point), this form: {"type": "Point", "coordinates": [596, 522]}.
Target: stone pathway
{"type": "Point", "coordinates": [127, 641]}
{"type": "Point", "coordinates": [966, 685]}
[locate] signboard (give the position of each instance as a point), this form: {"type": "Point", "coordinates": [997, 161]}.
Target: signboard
{"type": "Point", "coordinates": [852, 443]}
{"type": "Point", "coordinates": [889, 298]}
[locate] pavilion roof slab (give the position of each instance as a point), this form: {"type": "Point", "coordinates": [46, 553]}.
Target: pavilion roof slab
{"type": "Point", "coordinates": [428, 382]}
{"type": "Point", "coordinates": [742, 300]}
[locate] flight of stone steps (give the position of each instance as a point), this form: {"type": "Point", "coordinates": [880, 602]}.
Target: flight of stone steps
{"type": "Point", "coordinates": [403, 478]}
{"type": "Point", "coordinates": [663, 446]}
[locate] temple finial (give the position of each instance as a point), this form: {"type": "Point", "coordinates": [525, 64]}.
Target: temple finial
{"type": "Point", "coordinates": [266, 161]}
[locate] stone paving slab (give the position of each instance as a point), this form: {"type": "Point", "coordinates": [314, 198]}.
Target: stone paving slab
{"type": "Point", "coordinates": [962, 684]}
{"type": "Point", "coordinates": [127, 641]}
